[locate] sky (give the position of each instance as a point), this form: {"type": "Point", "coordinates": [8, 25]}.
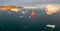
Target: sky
{"type": "Point", "coordinates": [28, 2]}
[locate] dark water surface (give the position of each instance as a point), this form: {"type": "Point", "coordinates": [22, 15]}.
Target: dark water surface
{"type": "Point", "coordinates": [13, 21]}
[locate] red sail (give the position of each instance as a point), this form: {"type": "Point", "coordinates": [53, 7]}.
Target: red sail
{"type": "Point", "coordinates": [33, 14]}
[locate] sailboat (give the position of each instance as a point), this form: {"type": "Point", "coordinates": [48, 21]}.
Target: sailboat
{"type": "Point", "coordinates": [33, 14]}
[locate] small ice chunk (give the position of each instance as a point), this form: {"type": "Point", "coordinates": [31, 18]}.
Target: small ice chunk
{"type": "Point", "coordinates": [21, 16]}
{"type": "Point", "coordinates": [29, 16]}
{"type": "Point", "coordinates": [23, 12]}
{"type": "Point", "coordinates": [52, 26]}
{"type": "Point", "coordinates": [26, 11]}
{"type": "Point", "coordinates": [9, 12]}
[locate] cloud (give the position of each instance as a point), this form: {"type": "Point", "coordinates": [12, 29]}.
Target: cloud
{"type": "Point", "coordinates": [28, 2]}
